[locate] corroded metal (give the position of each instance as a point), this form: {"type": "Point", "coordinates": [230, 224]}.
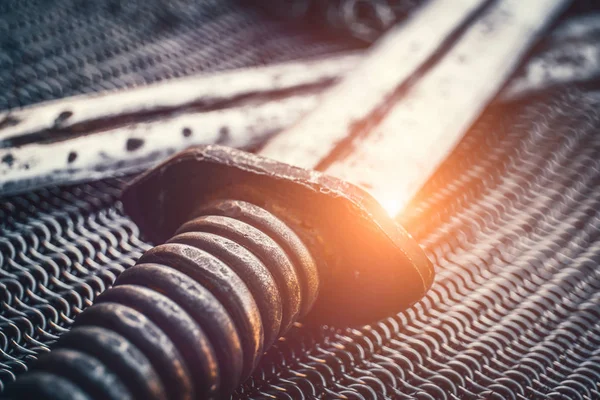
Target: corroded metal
{"type": "Point", "coordinates": [236, 274]}
{"type": "Point", "coordinates": [353, 241]}
{"type": "Point", "coordinates": [191, 318]}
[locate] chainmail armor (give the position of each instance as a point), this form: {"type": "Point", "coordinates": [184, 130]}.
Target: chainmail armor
{"type": "Point", "coordinates": [510, 221]}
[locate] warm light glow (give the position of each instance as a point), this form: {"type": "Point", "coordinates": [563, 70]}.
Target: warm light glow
{"type": "Point", "coordinates": [392, 206]}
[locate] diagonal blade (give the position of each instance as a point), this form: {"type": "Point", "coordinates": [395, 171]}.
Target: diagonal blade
{"type": "Point", "coordinates": [366, 90]}
{"type": "Point", "coordinates": [104, 135]}
{"type": "Point", "coordinates": [393, 155]}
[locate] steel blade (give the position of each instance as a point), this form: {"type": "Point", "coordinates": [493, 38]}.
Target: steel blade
{"type": "Point", "coordinates": [570, 54]}
{"type": "Point", "coordinates": [136, 147]}
{"type": "Point", "coordinates": [101, 112]}
{"type": "Point", "coordinates": [393, 159]}
{"type": "Point", "coordinates": [361, 95]}
{"type": "Point", "coordinates": [257, 102]}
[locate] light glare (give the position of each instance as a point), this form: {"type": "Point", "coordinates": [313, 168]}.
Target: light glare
{"type": "Point", "coordinates": [392, 206]}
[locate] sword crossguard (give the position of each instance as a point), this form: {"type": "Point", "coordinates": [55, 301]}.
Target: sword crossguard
{"type": "Point", "coordinates": [249, 246]}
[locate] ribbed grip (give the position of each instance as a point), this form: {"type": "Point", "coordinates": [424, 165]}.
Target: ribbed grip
{"type": "Point", "coordinates": [191, 319]}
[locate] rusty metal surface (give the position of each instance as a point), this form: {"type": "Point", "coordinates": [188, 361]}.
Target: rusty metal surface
{"type": "Point", "coordinates": [371, 266]}
{"type": "Point", "coordinates": [210, 324]}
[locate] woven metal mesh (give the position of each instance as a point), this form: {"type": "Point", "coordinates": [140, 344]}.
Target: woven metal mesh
{"type": "Point", "coordinates": [59, 48]}
{"type": "Point", "coordinates": [510, 220]}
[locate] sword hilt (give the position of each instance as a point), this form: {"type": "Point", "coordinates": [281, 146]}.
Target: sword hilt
{"type": "Point", "coordinates": [229, 278]}
{"type": "Point", "coordinates": [194, 316]}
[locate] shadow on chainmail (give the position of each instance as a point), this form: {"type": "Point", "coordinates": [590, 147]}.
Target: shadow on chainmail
{"type": "Point", "coordinates": [510, 221]}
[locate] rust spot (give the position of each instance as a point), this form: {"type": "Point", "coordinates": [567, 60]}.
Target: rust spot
{"type": "Point", "coordinates": [8, 159]}
{"type": "Point", "coordinates": [62, 117]}
{"type": "Point", "coordinates": [71, 157]}
{"type": "Point", "coordinates": [9, 120]}
{"type": "Point", "coordinates": [133, 144]}
{"type": "Point", "coordinates": [223, 135]}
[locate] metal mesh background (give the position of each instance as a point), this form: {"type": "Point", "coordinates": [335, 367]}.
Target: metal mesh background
{"type": "Point", "coordinates": [511, 221]}
{"type": "Point", "coordinates": [56, 48]}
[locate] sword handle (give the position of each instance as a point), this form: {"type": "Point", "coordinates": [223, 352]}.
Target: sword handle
{"type": "Point", "coordinates": [192, 318]}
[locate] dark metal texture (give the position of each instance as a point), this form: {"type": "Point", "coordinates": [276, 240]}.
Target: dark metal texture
{"type": "Point", "coordinates": [55, 49]}
{"type": "Point", "coordinates": [205, 288]}
{"type": "Point", "coordinates": [201, 297]}
{"type": "Point", "coordinates": [510, 220]}
{"type": "Point", "coordinates": [363, 19]}
{"type": "Point", "coordinates": [370, 266]}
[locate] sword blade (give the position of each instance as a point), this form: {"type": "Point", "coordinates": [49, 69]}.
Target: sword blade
{"type": "Point", "coordinates": [393, 159]}
{"type": "Point", "coordinates": [239, 108]}
{"type": "Point", "coordinates": [362, 93]}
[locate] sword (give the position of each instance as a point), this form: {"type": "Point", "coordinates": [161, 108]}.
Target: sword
{"type": "Point", "coordinates": [98, 136]}
{"type": "Point", "coordinates": [352, 263]}
{"type": "Point", "coordinates": [220, 259]}
{"type": "Point", "coordinates": [389, 138]}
